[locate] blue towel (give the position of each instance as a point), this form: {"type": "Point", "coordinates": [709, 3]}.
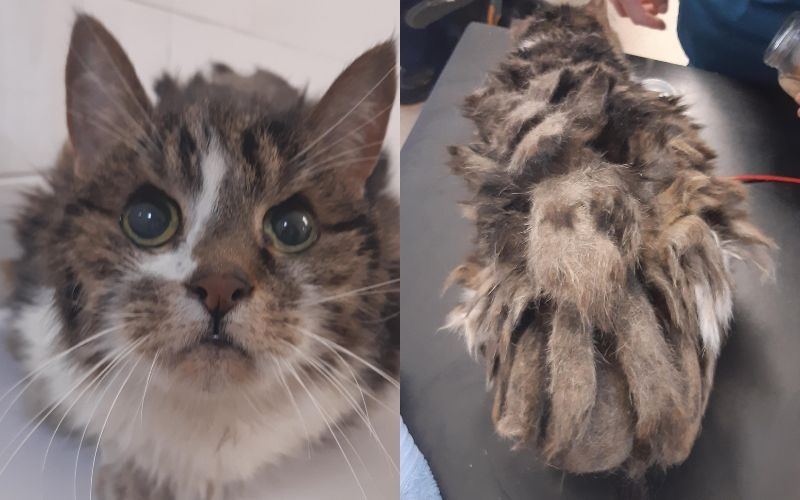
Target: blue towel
{"type": "Point", "coordinates": [416, 479]}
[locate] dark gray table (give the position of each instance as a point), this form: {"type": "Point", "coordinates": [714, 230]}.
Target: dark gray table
{"type": "Point", "coordinates": [749, 447]}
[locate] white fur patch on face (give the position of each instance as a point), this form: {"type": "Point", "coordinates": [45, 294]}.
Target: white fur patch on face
{"type": "Point", "coordinates": [37, 325]}
{"type": "Point", "coordinates": [178, 264]}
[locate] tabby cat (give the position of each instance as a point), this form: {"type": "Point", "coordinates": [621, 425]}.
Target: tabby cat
{"type": "Point", "coordinates": [599, 291]}
{"type": "Point", "coordinates": [209, 281]}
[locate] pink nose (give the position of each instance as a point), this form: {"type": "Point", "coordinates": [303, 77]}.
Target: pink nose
{"type": "Point", "coordinates": [219, 292]}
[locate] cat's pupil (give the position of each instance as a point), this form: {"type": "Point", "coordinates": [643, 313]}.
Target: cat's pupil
{"type": "Point", "coordinates": [148, 220]}
{"type": "Point", "coordinates": [292, 228]}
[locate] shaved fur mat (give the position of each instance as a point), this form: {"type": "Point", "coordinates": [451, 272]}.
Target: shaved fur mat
{"type": "Point", "coordinates": [599, 290]}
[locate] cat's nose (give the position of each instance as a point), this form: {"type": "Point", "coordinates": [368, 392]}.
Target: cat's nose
{"type": "Point", "coordinates": [219, 292]}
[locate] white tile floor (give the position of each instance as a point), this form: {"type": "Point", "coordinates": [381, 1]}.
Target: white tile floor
{"type": "Point", "coordinates": [307, 41]}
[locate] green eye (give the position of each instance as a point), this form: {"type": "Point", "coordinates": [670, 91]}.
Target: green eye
{"type": "Point", "coordinates": [290, 227]}
{"type": "Point", "coordinates": [151, 218]}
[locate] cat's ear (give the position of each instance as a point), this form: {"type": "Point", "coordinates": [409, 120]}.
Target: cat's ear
{"type": "Point", "coordinates": [349, 122]}
{"type": "Point", "coordinates": [106, 103]}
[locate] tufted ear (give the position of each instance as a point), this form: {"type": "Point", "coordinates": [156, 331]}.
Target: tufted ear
{"type": "Point", "coordinates": [349, 122]}
{"type": "Point", "coordinates": [106, 104]}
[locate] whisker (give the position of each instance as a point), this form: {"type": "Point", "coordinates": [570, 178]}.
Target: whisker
{"type": "Point", "coordinates": [41, 417]}
{"type": "Point", "coordinates": [375, 399]}
{"type": "Point", "coordinates": [344, 117]}
{"type": "Point", "coordinates": [331, 165]}
{"type": "Point", "coordinates": [353, 132]}
{"type": "Point", "coordinates": [131, 349]}
{"type": "Point", "coordinates": [146, 385]}
{"type": "Point", "coordinates": [328, 376]}
{"type": "Point", "coordinates": [306, 161]}
{"type": "Point", "coordinates": [325, 418]}
{"type": "Point", "coordinates": [285, 385]}
{"type": "Point", "coordinates": [328, 371]}
{"type": "Point", "coordinates": [105, 423]}
{"type": "Point", "coordinates": [97, 380]}
{"type": "Point", "coordinates": [32, 376]}
{"type": "Point", "coordinates": [366, 418]}
{"type": "Point", "coordinates": [57, 357]}
{"type": "Point", "coordinates": [350, 292]}
{"type": "Point", "coordinates": [334, 345]}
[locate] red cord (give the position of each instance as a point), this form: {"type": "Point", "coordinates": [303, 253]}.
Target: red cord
{"type": "Point", "coordinates": [765, 178]}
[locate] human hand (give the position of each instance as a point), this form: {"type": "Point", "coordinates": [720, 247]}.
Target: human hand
{"type": "Point", "coordinates": [797, 100]}
{"type": "Point", "coordinates": [642, 12]}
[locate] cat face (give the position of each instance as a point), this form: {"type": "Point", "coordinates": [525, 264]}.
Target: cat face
{"type": "Point", "coordinates": [226, 232]}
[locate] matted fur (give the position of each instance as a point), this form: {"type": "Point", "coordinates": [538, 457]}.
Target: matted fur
{"type": "Point", "coordinates": [599, 290]}
{"type": "Point", "coordinates": [315, 338]}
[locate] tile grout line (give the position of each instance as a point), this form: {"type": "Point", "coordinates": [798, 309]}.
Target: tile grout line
{"type": "Point", "coordinates": [232, 29]}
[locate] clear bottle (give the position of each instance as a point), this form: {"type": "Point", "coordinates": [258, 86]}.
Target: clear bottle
{"type": "Point", "coordinates": [783, 54]}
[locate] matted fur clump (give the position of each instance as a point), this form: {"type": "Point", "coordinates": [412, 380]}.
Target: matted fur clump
{"type": "Point", "coordinates": [599, 290]}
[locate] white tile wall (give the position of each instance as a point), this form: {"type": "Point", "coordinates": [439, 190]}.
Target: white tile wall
{"type": "Point", "coordinates": [307, 41]}
{"type": "Point", "coordinates": [324, 27]}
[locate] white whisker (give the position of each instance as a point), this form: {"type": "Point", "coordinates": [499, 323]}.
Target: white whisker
{"type": "Point", "coordinates": [105, 423]}
{"type": "Point", "coordinates": [93, 383]}
{"type": "Point", "coordinates": [325, 418]}
{"type": "Point", "coordinates": [285, 384]}
{"type": "Point", "coordinates": [41, 417]}
{"type": "Point", "coordinates": [146, 385]}
{"type": "Point", "coordinates": [328, 371]}
{"type": "Point", "coordinates": [352, 292]}
{"type": "Point", "coordinates": [130, 349]}
{"type": "Point", "coordinates": [344, 117]}
{"type": "Point", "coordinates": [47, 363]}
{"type": "Point", "coordinates": [348, 352]}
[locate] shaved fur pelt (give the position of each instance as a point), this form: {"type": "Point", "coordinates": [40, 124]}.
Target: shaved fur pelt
{"type": "Point", "coordinates": [599, 290]}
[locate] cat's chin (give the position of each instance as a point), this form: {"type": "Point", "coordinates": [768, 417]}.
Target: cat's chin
{"type": "Point", "coordinates": [214, 364]}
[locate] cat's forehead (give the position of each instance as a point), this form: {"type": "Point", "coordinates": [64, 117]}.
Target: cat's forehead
{"type": "Point", "coordinates": [255, 152]}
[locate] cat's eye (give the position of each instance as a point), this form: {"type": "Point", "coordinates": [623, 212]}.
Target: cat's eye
{"type": "Point", "coordinates": [290, 227]}
{"type": "Point", "coordinates": [150, 219]}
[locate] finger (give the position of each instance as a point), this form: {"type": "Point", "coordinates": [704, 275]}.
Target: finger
{"type": "Point", "coordinates": [797, 98]}
{"type": "Point", "coordinates": [639, 16]}
{"type": "Point", "coordinates": [663, 5]}
{"type": "Point", "coordinates": [618, 7]}
{"type": "Point", "coordinates": [650, 9]}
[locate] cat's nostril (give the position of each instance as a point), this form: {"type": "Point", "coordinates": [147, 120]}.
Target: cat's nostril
{"type": "Point", "coordinates": [238, 294]}
{"type": "Point", "coordinates": [219, 293]}
{"type": "Point", "coordinates": [199, 291]}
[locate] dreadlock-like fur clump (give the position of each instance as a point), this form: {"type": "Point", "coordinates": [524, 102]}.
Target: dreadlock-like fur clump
{"type": "Point", "coordinates": [599, 290]}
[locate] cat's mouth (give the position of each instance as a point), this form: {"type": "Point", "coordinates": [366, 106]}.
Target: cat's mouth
{"type": "Point", "coordinates": [218, 340]}
{"type": "Point", "coordinates": [215, 339]}
{"type": "Point", "coordinates": [221, 341]}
